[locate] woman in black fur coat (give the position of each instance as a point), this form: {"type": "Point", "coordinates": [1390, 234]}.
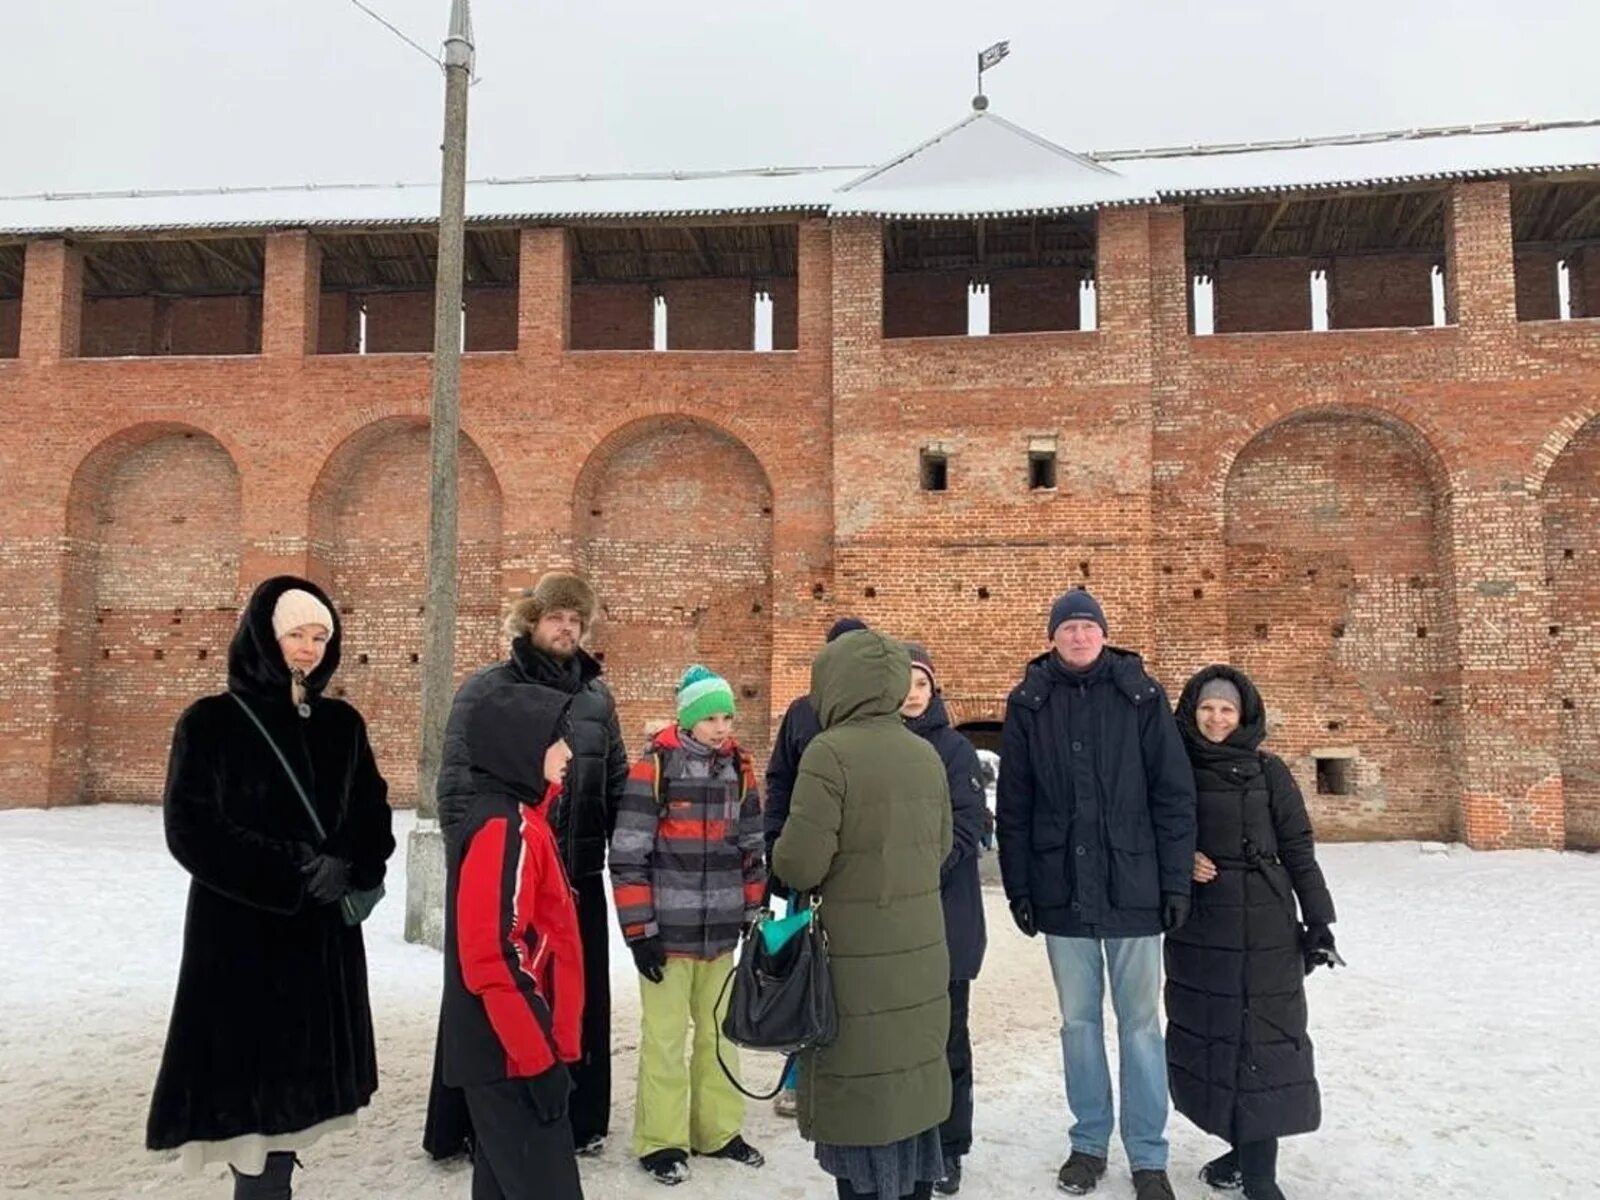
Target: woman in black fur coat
{"type": "Point", "coordinates": [270, 1044]}
{"type": "Point", "coordinates": [1239, 1060]}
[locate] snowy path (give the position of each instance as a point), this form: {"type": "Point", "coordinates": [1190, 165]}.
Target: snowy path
{"type": "Point", "coordinates": [1459, 1055]}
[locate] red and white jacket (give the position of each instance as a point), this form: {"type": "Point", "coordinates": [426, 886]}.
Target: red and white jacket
{"type": "Point", "coordinates": [513, 1000]}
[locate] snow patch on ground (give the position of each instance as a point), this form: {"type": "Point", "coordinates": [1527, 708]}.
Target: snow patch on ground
{"type": "Point", "coordinates": [1459, 1054]}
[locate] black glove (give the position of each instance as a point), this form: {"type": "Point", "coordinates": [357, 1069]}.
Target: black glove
{"type": "Point", "coordinates": [650, 957]}
{"type": "Point", "coordinates": [1174, 910]}
{"type": "Point", "coordinates": [1316, 944]}
{"type": "Point", "coordinates": [1022, 914]}
{"type": "Point", "coordinates": [550, 1092]}
{"type": "Point", "coordinates": [327, 878]}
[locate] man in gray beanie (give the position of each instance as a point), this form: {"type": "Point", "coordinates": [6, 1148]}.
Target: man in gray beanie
{"type": "Point", "coordinates": [1096, 825]}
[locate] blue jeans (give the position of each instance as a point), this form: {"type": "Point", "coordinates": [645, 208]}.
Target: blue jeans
{"type": "Point", "coordinates": [1079, 968]}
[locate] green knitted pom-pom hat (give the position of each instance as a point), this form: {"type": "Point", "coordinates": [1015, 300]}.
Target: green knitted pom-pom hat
{"type": "Point", "coordinates": [702, 693]}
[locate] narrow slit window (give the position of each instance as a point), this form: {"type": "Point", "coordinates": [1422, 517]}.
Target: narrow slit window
{"type": "Point", "coordinates": [361, 328]}
{"type": "Point", "coordinates": [1563, 291]}
{"type": "Point", "coordinates": [1439, 316]}
{"type": "Point", "coordinates": [1041, 470]}
{"type": "Point", "coordinates": [935, 471]}
{"type": "Point", "coordinates": [763, 318]}
{"type": "Point", "coordinates": [1088, 306]}
{"type": "Point", "coordinates": [1336, 776]}
{"type": "Point", "coordinates": [658, 338]}
{"type": "Point", "coordinates": [977, 310]}
{"type": "Point", "coordinates": [1205, 306]}
{"type": "Point", "coordinates": [1319, 301]}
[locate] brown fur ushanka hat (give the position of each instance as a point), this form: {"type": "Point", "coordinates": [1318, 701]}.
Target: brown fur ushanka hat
{"type": "Point", "coordinates": [555, 590]}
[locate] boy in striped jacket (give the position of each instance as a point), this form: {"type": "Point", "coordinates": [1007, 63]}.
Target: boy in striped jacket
{"type": "Point", "coordinates": [688, 876]}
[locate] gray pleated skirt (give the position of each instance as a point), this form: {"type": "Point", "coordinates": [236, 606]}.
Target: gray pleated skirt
{"type": "Point", "coordinates": [891, 1171]}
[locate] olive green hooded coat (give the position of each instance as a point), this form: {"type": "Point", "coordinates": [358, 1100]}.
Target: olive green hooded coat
{"type": "Point", "coordinates": [869, 827]}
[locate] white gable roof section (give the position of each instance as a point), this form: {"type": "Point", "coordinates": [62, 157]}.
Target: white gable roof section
{"type": "Point", "coordinates": [982, 166]}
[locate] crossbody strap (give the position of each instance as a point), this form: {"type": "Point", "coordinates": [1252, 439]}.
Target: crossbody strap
{"type": "Point", "coordinates": [284, 762]}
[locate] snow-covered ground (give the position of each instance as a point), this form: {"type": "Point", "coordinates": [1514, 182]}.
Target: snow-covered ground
{"type": "Point", "coordinates": [1459, 1053]}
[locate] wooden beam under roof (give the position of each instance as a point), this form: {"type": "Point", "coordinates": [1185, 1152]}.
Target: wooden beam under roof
{"type": "Point", "coordinates": [246, 272]}
{"type": "Point", "coordinates": [1546, 216]}
{"type": "Point", "coordinates": [702, 252]}
{"type": "Point", "coordinates": [479, 263]}
{"type": "Point", "coordinates": [1572, 222]}
{"type": "Point", "coordinates": [1271, 224]}
{"type": "Point", "coordinates": [1420, 217]}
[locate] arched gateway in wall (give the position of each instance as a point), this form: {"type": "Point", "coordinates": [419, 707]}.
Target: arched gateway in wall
{"type": "Point", "coordinates": [1339, 607]}
{"type": "Point", "coordinates": [672, 523]}
{"type": "Point", "coordinates": [151, 600]}
{"type": "Point", "coordinates": [369, 539]}
{"type": "Point", "coordinates": [1571, 503]}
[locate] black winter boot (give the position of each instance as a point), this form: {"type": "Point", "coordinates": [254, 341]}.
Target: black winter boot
{"type": "Point", "coordinates": [1258, 1168]}
{"type": "Point", "coordinates": [271, 1184]}
{"type": "Point", "coordinates": [1222, 1172]}
{"type": "Point", "coordinates": [1152, 1185]}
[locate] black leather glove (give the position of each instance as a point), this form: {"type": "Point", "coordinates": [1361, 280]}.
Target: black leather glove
{"type": "Point", "coordinates": [1316, 943]}
{"type": "Point", "coordinates": [1174, 910]}
{"type": "Point", "coordinates": [550, 1093]}
{"type": "Point", "coordinates": [650, 956]}
{"type": "Point", "coordinates": [1022, 914]}
{"type": "Point", "coordinates": [327, 878]}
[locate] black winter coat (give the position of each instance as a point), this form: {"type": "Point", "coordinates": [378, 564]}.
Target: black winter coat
{"type": "Point", "coordinates": [271, 1030]}
{"type": "Point", "coordinates": [795, 731]}
{"type": "Point", "coordinates": [586, 811]}
{"type": "Point", "coordinates": [1239, 1061]}
{"type": "Point", "coordinates": [964, 928]}
{"type": "Point", "coordinates": [1096, 800]}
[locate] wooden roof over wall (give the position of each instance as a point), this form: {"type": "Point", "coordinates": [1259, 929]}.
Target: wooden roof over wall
{"type": "Point", "coordinates": [990, 243]}
{"type": "Point", "coordinates": [223, 266]}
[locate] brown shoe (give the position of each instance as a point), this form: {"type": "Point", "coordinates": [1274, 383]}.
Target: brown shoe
{"type": "Point", "coordinates": [1151, 1185]}
{"type": "Point", "coordinates": [1080, 1173]}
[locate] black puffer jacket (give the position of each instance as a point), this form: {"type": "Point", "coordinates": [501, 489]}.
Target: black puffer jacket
{"type": "Point", "coordinates": [964, 928]}
{"type": "Point", "coordinates": [271, 1029]}
{"type": "Point", "coordinates": [795, 731]}
{"type": "Point", "coordinates": [586, 811]}
{"type": "Point", "coordinates": [1096, 799]}
{"type": "Point", "coordinates": [1239, 1061]}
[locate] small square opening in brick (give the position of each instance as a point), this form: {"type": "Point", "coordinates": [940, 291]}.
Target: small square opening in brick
{"type": "Point", "coordinates": [1422, 631]}
{"type": "Point", "coordinates": [983, 593]}
{"type": "Point", "coordinates": [1336, 776]}
{"type": "Point", "coordinates": [416, 657]}
{"type": "Point", "coordinates": [1338, 629]}
{"type": "Point", "coordinates": [1568, 703]}
{"type": "Point", "coordinates": [1261, 631]}
{"type": "Point", "coordinates": [1199, 593]}
{"type": "Point", "coordinates": [935, 471]}
{"type": "Point", "coordinates": [362, 659]}
{"type": "Point", "coordinates": [1041, 470]}
{"type": "Point", "coordinates": [870, 593]}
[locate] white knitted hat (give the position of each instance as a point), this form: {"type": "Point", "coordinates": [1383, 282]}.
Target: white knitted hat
{"type": "Point", "coordinates": [297, 607]}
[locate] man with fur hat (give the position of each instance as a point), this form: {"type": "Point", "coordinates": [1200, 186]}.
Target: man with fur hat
{"type": "Point", "coordinates": [1097, 825]}
{"type": "Point", "coordinates": [547, 625]}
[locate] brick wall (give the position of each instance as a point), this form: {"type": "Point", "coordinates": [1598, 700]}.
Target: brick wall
{"type": "Point", "coordinates": [1537, 297]}
{"type": "Point", "coordinates": [10, 326]}
{"type": "Point", "coordinates": [925, 303]}
{"type": "Point", "coordinates": [1378, 291]}
{"type": "Point", "coordinates": [1033, 299]}
{"type": "Point", "coordinates": [1259, 295]}
{"type": "Point", "coordinates": [116, 326]}
{"type": "Point", "coordinates": [613, 316]}
{"type": "Point", "coordinates": [1430, 478]}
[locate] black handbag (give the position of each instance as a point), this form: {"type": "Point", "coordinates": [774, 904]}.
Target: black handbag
{"type": "Point", "coordinates": [779, 1000]}
{"type": "Point", "coordinates": [355, 906]}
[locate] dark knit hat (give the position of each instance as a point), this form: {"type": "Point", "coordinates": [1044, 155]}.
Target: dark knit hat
{"type": "Point", "coordinates": [554, 591]}
{"type": "Point", "coordinates": [843, 626]}
{"type": "Point", "coordinates": [1076, 605]}
{"type": "Point", "coordinates": [922, 661]}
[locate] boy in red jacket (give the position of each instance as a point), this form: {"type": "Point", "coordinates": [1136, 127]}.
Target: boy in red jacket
{"type": "Point", "coordinates": [513, 993]}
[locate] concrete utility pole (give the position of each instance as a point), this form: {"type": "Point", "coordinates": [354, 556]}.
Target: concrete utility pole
{"type": "Point", "coordinates": [425, 872]}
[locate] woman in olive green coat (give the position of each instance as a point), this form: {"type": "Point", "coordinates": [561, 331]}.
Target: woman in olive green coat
{"type": "Point", "coordinates": [868, 828]}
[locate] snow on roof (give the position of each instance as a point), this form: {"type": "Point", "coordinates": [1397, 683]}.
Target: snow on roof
{"type": "Point", "coordinates": [552, 197]}
{"type": "Point", "coordinates": [986, 165]}
{"type": "Point", "coordinates": [982, 166]}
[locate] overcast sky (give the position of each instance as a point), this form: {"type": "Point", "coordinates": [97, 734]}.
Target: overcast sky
{"type": "Point", "coordinates": [100, 94]}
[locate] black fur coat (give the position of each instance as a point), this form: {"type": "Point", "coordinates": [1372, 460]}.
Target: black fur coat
{"type": "Point", "coordinates": [271, 1030]}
